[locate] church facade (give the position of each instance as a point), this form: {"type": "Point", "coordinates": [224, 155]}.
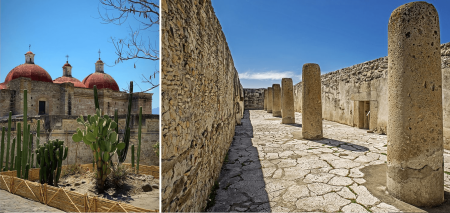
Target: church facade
{"type": "Point", "coordinates": [57, 103]}
{"type": "Point", "coordinates": [65, 95]}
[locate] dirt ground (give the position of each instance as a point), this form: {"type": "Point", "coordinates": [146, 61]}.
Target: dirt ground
{"type": "Point", "coordinates": [137, 190]}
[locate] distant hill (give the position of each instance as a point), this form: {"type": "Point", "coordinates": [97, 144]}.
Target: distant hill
{"type": "Point", "coordinates": [155, 110]}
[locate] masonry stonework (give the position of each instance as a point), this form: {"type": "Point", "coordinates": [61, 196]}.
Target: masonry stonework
{"type": "Point", "coordinates": [287, 106]}
{"type": "Point", "coordinates": [415, 157]}
{"type": "Point", "coordinates": [202, 101]}
{"type": "Point", "coordinates": [269, 99]}
{"type": "Point", "coordinates": [254, 98]}
{"type": "Point", "coordinates": [312, 102]}
{"type": "Point", "coordinates": [62, 127]}
{"type": "Point", "coordinates": [347, 91]}
{"type": "Point", "coordinates": [276, 103]}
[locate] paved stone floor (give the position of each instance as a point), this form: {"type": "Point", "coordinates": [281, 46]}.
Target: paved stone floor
{"type": "Point", "coordinates": [268, 168]}
{"type": "Point", "coordinates": [14, 203]}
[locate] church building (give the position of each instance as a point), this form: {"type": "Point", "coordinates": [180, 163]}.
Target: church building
{"type": "Point", "coordinates": [65, 95]}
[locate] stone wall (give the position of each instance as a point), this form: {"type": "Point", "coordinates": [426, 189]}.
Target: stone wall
{"type": "Point", "coordinates": [202, 102]}
{"type": "Point", "coordinates": [62, 127]}
{"type": "Point", "coordinates": [345, 93]}
{"type": "Point", "coordinates": [254, 98]}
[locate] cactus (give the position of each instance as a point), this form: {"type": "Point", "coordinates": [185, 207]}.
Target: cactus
{"type": "Point", "coordinates": [32, 160]}
{"type": "Point", "coordinates": [126, 138]}
{"type": "Point", "coordinates": [139, 140]}
{"type": "Point", "coordinates": [38, 137]}
{"type": "Point", "coordinates": [97, 106]}
{"type": "Point", "coordinates": [26, 136]}
{"type": "Point", "coordinates": [99, 134]}
{"type": "Point", "coordinates": [132, 156]}
{"type": "Point", "coordinates": [49, 157]}
{"type": "Point", "coordinates": [12, 166]}
{"type": "Point", "coordinates": [30, 147]}
{"type": "Point", "coordinates": [18, 147]}
{"type": "Point", "coordinates": [2, 147]}
{"type": "Point", "coordinates": [8, 141]}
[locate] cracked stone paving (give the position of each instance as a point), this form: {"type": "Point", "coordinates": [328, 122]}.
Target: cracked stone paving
{"type": "Point", "coordinates": [270, 168]}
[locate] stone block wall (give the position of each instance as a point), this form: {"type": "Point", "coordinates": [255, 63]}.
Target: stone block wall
{"type": "Point", "coordinates": [62, 127]}
{"type": "Point", "coordinates": [254, 98]}
{"type": "Point", "coordinates": [345, 91]}
{"type": "Point", "coordinates": [202, 102]}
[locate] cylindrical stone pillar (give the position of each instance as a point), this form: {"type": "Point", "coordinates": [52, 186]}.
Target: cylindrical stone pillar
{"type": "Point", "coordinates": [415, 172]}
{"type": "Point", "coordinates": [269, 99]}
{"type": "Point", "coordinates": [276, 107]}
{"type": "Point", "coordinates": [287, 87]}
{"type": "Point", "coordinates": [311, 102]}
{"type": "Point", "coordinates": [265, 99]}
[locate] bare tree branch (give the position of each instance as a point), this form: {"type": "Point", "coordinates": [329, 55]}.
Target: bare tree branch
{"type": "Point", "coordinates": [134, 46]}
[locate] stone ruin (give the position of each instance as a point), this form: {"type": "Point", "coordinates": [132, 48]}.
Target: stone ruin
{"type": "Point", "coordinates": [197, 135]}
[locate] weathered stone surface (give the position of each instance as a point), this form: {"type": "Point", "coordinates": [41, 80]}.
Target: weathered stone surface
{"type": "Point", "coordinates": [254, 99]}
{"type": "Point", "coordinates": [305, 185]}
{"type": "Point", "coordinates": [287, 106]}
{"type": "Point", "coordinates": [353, 207]}
{"type": "Point", "coordinates": [269, 99]}
{"type": "Point", "coordinates": [202, 101]}
{"type": "Point", "coordinates": [415, 148]}
{"type": "Point", "coordinates": [312, 102]}
{"type": "Point", "coordinates": [344, 88]}
{"type": "Point", "coordinates": [276, 103]}
{"type": "Point", "coordinates": [265, 100]}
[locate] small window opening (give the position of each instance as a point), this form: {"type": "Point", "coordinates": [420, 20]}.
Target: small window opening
{"type": "Point", "coordinates": [41, 107]}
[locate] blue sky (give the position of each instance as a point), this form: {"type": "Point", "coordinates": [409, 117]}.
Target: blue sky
{"type": "Point", "coordinates": [270, 40]}
{"type": "Point", "coordinates": [57, 28]}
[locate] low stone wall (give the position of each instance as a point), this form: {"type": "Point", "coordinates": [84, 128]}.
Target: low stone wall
{"type": "Point", "coordinates": [347, 92]}
{"type": "Point", "coordinates": [254, 98]}
{"type": "Point", "coordinates": [201, 99]}
{"type": "Point", "coordinates": [62, 127]}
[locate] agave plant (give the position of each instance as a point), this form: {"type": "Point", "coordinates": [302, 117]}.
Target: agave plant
{"type": "Point", "coordinates": [100, 135]}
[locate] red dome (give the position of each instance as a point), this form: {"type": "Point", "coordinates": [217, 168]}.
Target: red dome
{"type": "Point", "coordinates": [32, 71]}
{"type": "Point", "coordinates": [3, 86]}
{"type": "Point", "coordinates": [74, 81]}
{"type": "Point", "coordinates": [102, 80]}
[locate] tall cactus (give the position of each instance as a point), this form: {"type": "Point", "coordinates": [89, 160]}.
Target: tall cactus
{"type": "Point", "coordinates": [97, 105]}
{"type": "Point", "coordinates": [8, 141]}
{"type": "Point", "coordinates": [12, 166]}
{"type": "Point", "coordinates": [132, 157]}
{"type": "Point", "coordinates": [19, 150]}
{"type": "Point", "coordinates": [26, 135]}
{"type": "Point", "coordinates": [126, 136]}
{"type": "Point", "coordinates": [38, 136]}
{"type": "Point", "coordinates": [139, 140]}
{"type": "Point", "coordinates": [49, 157]}
{"type": "Point", "coordinates": [2, 148]}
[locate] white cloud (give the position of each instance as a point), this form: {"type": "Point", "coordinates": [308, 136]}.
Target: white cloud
{"type": "Point", "coordinates": [269, 75]}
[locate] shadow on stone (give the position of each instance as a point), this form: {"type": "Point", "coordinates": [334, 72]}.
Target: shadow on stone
{"type": "Point", "coordinates": [294, 125]}
{"type": "Point", "coordinates": [375, 176]}
{"type": "Point", "coordinates": [241, 180]}
{"type": "Point", "coordinates": [342, 145]}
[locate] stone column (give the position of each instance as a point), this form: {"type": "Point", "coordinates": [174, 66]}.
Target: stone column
{"type": "Point", "coordinates": [415, 140]}
{"type": "Point", "coordinates": [311, 102]}
{"type": "Point", "coordinates": [265, 99]}
{"type": "Point", "coordinates": [288, 116]}
{"type": "Point", "coordinates": [269, 99]}
{"type": "Point", "coordinates": [276, 107]}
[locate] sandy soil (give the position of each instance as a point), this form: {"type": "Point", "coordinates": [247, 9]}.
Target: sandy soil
{"type": "Point", "coordinates": [137, 190]}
